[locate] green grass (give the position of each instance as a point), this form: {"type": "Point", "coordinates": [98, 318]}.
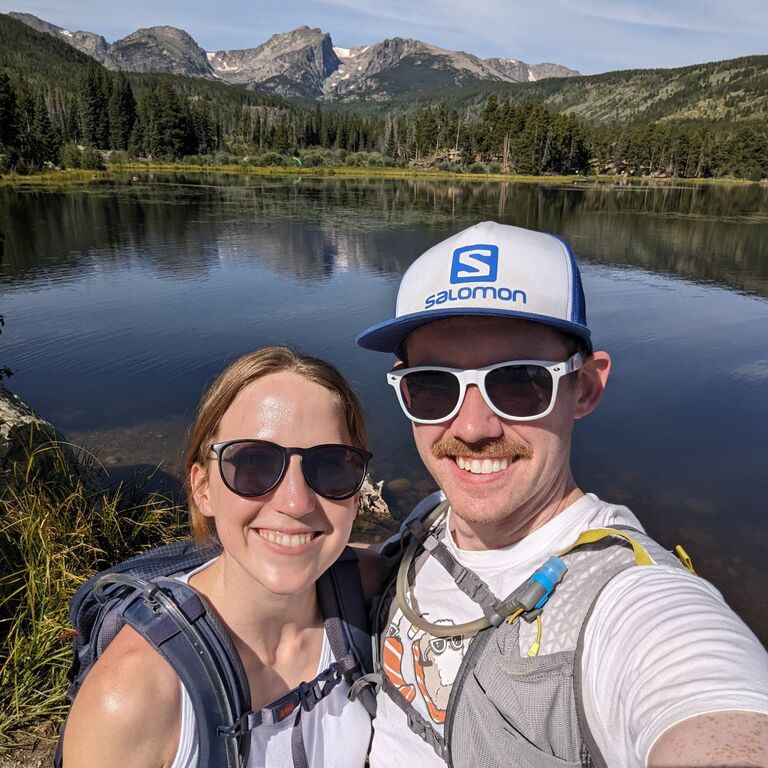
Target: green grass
{"type": "Point", "coordinates": [54, 534]}
{"type": "Point", "coordinates": [66, 177]}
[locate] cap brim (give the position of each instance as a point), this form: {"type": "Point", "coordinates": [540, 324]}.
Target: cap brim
{"type": "Point", "coordinates": [390, 335]}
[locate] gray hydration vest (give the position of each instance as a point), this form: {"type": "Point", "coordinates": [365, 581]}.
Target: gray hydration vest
{"type": "Point", "coordinates": [516, 699]}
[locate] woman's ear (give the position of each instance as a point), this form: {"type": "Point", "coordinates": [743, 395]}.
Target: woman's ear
{"type": "Point", "coordinates": [198, 482]}
{"type": "Point", "coordinates": [592, 378]}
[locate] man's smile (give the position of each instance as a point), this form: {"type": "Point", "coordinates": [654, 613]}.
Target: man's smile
{"type": "Point", "coordinates": [486, 458]}
{"type": "Point", "coordinates": [482, 466]}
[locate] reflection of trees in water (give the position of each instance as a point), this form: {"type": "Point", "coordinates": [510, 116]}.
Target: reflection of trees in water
{"type": "Point", "coordinates": [180, 227]}
{"type": "Point", "coordinates": [82, 231]}
{"type": "Point", "coordinates": [699, 237]}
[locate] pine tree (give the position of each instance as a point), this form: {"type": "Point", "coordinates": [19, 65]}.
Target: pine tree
{"type": "Point", "coordinates": [122, 113]}
{"type": "Point", "coordinates": [166, 124]}
{"type": "Point", "coordinates": [9, 124]}
{"type": "Point", "coordinates": [93, 106]}
{"type": "Point", "coordinates": [46, 141]}
{"type": "Point", "coordinates": [204, 129]}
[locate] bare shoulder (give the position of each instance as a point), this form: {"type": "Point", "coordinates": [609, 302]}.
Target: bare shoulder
{"type": "Point", "coordinates": [128, 710]}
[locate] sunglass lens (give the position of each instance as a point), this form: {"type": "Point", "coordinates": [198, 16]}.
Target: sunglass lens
{"type": "Point", "coordinates": [251, 469]}
{"type": "Point", "coordinates": [429, 395]}
{"type": "Point", "coordinates": [334, 471]}
{"type": "Point", "coordinates": [520, 390]}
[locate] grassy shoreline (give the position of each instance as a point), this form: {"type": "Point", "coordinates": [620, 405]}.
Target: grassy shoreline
{"type": "Point", "coordinates": [78, 176]}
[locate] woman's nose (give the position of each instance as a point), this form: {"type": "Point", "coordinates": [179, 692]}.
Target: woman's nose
{"type": "Point", "coordinates": [293, 496]}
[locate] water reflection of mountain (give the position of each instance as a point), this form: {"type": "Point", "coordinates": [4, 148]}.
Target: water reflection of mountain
{"type": "Point", "coordinates": [180, 228]}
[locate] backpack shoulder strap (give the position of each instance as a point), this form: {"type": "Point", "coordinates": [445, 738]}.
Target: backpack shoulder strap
{"type": "Point", "coordinates": [179, 624]}
{"type": "Point", "coordinates": [396, 543]}
{"type": "Point", "coordinates": [342, 604]}
{"type": "Point", "coordinates": [183, 628]}
{"type": "Point", "coordinates": [646, 552]}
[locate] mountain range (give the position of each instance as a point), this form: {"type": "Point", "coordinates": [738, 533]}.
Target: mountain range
{"type": "Point", "coordinates": [304, 63]}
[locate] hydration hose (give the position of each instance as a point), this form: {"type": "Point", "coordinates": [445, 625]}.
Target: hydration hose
{"type": "Point", "coordinates": [529, 596]}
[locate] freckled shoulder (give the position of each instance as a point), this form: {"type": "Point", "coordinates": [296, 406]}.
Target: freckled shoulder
{"type": "Point", "coordinates": [128, 711]}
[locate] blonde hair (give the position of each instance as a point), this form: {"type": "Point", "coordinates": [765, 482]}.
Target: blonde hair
{"type": "Point", "coordinates": [228, 385]}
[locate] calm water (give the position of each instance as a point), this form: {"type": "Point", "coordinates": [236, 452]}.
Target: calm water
{"type": "Point", "coordinates": [123, 301]}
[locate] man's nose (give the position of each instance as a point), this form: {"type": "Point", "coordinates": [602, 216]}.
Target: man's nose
{"type": "Point", "coordinates": [293, 497]}
{"type": "Point", "coordinates": [475, 420]}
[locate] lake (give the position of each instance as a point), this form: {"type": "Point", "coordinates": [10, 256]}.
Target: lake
{"type": "Point", "coordinates": [124, 299]}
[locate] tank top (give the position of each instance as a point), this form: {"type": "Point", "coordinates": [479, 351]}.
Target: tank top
{"type": "Point", "coordinates": [337, 732]}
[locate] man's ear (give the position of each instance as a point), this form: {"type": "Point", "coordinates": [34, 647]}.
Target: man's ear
{"type": "Point", "coordinates": [198, 482]}
{"type": "Point", "coordinates": [592, 378]}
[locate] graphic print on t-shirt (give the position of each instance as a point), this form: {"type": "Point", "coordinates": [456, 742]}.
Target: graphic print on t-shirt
{"type": "Point", "coordinates": [421, 666]}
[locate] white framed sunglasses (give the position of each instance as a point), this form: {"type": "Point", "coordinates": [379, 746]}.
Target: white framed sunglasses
{"type": "Point", "coordinates": [519, 390]}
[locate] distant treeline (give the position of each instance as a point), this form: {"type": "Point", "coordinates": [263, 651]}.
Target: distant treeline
{"type": "Point", "coordinates": [166, 118]}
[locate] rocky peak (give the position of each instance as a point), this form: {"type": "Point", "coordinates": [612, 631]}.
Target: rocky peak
{"type": "Point", "coordinates": [159, 49]}
{"type": "Point", "coordinates": [89, 43]}
{"type": "Point", "coordinates": [542, 71]}
{"type": "Point", "coordinates": [294, 63]}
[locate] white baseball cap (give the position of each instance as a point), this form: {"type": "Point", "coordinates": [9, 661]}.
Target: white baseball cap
{"type": "Point", "coordinates": [489, 269]}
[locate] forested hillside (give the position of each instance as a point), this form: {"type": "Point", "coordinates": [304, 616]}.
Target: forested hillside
{"type": "Point", "coordinates": [733, 90]}
{"type": "Point", "coordinates": [60, 108]}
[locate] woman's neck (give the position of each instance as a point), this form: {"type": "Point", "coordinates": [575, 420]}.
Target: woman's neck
{"type": "Point", "coordinates": [279, 638]}
{"type": "Point", "coordinates": [260, 619]}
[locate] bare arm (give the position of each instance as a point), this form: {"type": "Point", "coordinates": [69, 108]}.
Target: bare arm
{"type": "Point", "coordinates": [724, 739]}
{"type": "Point", "coordinates": [128, 711]}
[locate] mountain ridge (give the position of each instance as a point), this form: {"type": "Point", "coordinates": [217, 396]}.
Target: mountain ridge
{"type": "Point", "coordinates": [729, 91]}
{"type": "Point", "coordinates": [301, 63]}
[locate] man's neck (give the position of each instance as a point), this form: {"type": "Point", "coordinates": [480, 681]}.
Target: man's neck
{"type": "Point", "coordinates": [497, 534]}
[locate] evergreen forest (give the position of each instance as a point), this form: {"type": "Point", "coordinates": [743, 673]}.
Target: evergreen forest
{"type": "Point", "coordinates": [59, 108]}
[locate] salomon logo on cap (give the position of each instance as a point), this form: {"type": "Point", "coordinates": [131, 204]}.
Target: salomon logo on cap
{"type": "Point", "coordinates": [475, 263]}
{"type": "Point", "coordinates": [488, 269]}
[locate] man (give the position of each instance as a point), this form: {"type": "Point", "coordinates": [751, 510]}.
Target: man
{"type": "Point", "coordinates": [630, 660]}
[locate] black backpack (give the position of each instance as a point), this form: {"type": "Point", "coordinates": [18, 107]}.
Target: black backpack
{"type": "Point", "coordinates": [177, 621]}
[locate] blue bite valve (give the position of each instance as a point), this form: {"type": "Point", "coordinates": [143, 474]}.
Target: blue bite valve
{"type": "Point", "coordinates": [548, 576]}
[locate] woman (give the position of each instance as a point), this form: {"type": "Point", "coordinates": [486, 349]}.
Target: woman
{"type": "Point", "coordinates": [282, 514]}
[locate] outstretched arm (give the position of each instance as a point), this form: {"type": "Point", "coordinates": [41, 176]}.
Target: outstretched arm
{"type": "Point", "coordinates": [730, 738]}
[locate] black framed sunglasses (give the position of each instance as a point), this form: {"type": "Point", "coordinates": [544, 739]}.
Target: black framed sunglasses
{"type": "Point", "coordinates": [255, 467]}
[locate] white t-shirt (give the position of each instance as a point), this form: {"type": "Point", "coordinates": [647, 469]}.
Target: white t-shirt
{"type": "Point", "coordinates": [336, 732]}
{"type": "Point", "coordinates": [690, 654]}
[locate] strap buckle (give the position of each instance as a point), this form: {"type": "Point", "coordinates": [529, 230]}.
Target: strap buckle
{"type": "Point", "coordinates": [373, 680]}
{"type": "Point", "coordinates": [234, 731]}
{"type": "Point", "coordinates": [309, 694]}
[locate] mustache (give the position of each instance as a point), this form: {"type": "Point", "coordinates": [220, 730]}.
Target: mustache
{"type": "Point", "coordinates": [499, 448]}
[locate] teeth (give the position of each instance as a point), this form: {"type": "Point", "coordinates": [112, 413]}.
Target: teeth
{"type": "Point", "coordinates": [482, 466]}
{"type": "Point", "coordinates": [286, 540]}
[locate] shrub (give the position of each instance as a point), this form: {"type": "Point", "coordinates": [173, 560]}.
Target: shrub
{"type": "Point", "coordinates": [273, 159]}
{"type": "Point", "coordinates": [70, 155]}
{"type": "Point", "coordinates": [477, 168]}
{"type": "Point", "coordinates": [91, 159]}
{"type": "Point", "coordinates": [56, 533]}
{"type": "Point", "coordinates": [120, 157]}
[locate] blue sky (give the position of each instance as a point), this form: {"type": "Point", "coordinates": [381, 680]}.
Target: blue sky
{"type": "Point", "coordinates": [588, 35]}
